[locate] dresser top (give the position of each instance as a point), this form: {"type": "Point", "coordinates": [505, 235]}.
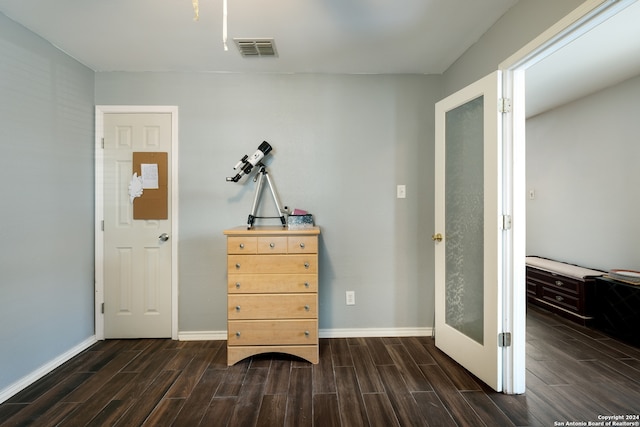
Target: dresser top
{"type": "Point", "coordinates": [271, 230]}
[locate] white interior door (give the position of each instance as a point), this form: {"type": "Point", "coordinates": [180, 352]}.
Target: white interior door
{"type": "Point", "coordinates": [137, 253]}
{"type": "Point", "coordinates": [468, 283]}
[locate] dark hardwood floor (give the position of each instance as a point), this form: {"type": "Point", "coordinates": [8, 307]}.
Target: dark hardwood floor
{"type": "Point", "coordinates": [573, 374]}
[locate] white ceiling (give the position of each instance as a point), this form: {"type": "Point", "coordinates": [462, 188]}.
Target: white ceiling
{"type": "Point", "coordinates": [325, 36]}
{"type": "Point", "coordinates": [322, 36]}
{"type": "Point", "coordinates": [606, 55]}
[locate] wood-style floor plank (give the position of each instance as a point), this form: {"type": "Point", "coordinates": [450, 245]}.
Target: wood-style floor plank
{"type": "Point", "coordinates": [141, 408]}
{"type": "Point", "coordinates": [573, 373]}
{"type": "Point", "coordinates": [365, 369]}
{"type": "Point", "coordinates": [350, 401]}
{"type": "Point", "coordinates": [325, 410]}
{"type": "Point", "coordinates": [219, 412]}
{"type": "Point", "coordinates": [457, 405]}
{"type": "Point", "coordinates": [85, 411]}
{"type": "Point", "coordinates": [323, 376]}
{"type": "Point", "coordinates": [433, 410]}
{"type": "Point", "coordinates": [300, 399]}
{"type": "Point", "coordinates": [272, 410]}
{"type": "Point", "coordinates": [404, 405]}
{"type": "Point", "coordinates": [198, 400]}
{"type": "Point", "coordinates": [246, 410]}
{"type": "Point", "coordinates": [165, 413]}
{"type": "Point", "coordinates": [380, 411]}
{"type": "Point", "coordinates": [409, 370]}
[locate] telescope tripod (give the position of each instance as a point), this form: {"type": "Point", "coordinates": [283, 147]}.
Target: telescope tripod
{"type": "Point", "coordinates": [261, 176]}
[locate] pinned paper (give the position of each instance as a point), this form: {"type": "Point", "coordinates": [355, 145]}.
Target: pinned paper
{"type": "Point", "coordinates": [135, 186]}
{"type": "Point", "coordinates": [149, 175]}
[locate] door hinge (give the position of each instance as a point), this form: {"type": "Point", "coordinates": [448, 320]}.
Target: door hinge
{"type": "Point", "coordinates": [504, 339]}
{"type": "Point", "coordinates": [506, 222]}
{"type": "Point", "coordinates": [102, 308]}
{"type": "Point", "coordinates": [102, 225]}
{"type": "Point", "coordinates": [504, 105]}
{"type": "Point", "coordinates": [103, 143]}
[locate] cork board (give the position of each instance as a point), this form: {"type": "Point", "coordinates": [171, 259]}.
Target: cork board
{"type": "Point", "coordinates": [153, 204]}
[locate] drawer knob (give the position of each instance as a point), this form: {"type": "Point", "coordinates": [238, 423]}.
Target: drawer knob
{"type": "Point", "coordinates": [241, 245]}
{"type": "Point", "coordinates": [559, 298]}
{"type": "Point", "coordinates": [306, 333]}
{"type": "Point", "coordinates": [237, 308]}
{"type": "Point", "coordinates": [306, 265]}
{"type": "Point", "coordinates": [237, 285]}
{"type": "Point", "coordinates": [237, 265]}
{"type": "Point", "coordinates": [306, 308]}
{"type": "Point", "coordinates": [238, 334]}
{"type": "Point", "coordinates": [559, 283]}
{"type": "Point", "coordinates": [306, 284]}
{"type": "Point", "coordinates": [272, 245]}
{"type": "Point", "coordinates": [302, 245]}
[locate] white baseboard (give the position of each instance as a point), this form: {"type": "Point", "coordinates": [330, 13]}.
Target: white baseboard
{"type": "Point", "coordinates": [34, 376]}
{"type": "Point", "coordinates": [202, 335]}
{"type": "Point", "coordinates": [323, 333]}
{"type": "Point", "coordinates": [375, 332]}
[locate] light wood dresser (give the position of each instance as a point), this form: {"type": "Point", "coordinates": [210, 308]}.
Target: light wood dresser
{"type": "Point", "coordinates": [272, 292]}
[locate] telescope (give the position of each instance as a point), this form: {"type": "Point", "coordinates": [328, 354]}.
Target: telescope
{"type": "Point", "coordinates": [246, 163]}
{"type": "Point", "coordinates": [244, 167]}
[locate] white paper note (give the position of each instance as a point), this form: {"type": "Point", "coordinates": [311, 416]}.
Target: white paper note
{"type": "Point", "coordinates": [149, 175]}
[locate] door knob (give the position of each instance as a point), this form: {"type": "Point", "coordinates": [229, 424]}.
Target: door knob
{"type": "Point", "coordinates": [163, 237]}
{"type": "Point", "coordinates": [437, 237]}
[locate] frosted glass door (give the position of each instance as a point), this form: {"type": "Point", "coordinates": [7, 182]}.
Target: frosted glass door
{"type": "Point", "coordinates": [464, 212]}
{"type": "Point", "coordinates": [467, 236]}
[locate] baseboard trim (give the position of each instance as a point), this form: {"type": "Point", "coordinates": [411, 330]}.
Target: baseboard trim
{"type": "Point", "coordinates": [34, 376]}
{"type": "Point", "coordinates": [375, 332]}
{"type": "Point", "coordinates": [202, 335]}
{"type": "Point", "coordinates": [323, 333]}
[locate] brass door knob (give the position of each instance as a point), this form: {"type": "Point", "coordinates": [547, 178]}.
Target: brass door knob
{"type": "Point", "coordinates": [437, 237]}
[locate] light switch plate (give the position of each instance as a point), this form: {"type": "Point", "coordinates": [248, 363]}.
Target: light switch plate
{"type": "Point", "coordinates": [401, 191]}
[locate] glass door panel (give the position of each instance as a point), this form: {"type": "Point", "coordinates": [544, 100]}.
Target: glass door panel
{"type": "Point", "coordinates": [464, 210]}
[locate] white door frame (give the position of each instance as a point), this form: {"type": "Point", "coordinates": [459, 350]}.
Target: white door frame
{"type": "Point", "coordinates": [101, 110]}
{"type": "Point", "coordinates": [587, 16]}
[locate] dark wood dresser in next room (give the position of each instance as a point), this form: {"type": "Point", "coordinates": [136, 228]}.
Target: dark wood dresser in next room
{"type": "Point", "coordinates": [565, 289]}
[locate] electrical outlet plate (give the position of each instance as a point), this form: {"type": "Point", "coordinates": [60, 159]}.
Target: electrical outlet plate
{"type": "Point", "coordinates": [351, 298]}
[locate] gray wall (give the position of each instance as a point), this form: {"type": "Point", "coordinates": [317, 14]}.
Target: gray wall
{"type": "Point", "coordinates": [517, 27]}
{"type": "Point", "coordinates": [341, 144]}
{"type": "Point", "coordinates": [582, 161]}
{"type": "Point", "coordinates": [46, 187]}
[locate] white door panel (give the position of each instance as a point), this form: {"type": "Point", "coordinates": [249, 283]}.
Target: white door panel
{"type": "Point", "coordinates": [137, 261]}
{"type": "Point", "coordinates": [468, 284]}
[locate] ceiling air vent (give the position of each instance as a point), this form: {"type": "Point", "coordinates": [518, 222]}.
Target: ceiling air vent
{"type": "Point", "coordinates": [254, 48]}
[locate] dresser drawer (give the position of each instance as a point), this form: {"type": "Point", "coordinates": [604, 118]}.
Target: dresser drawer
{"type": "Point", "coordinates": [272, 245]}
{"type": "Point", "coordinates": [304, 263]}
{"type": "Point", "coordinates": [532, 288]}
{"type": "Point", "coordinates": [302, 244]}
{"type": "Point", "coordinates": [272, 332]}
{"type": "Point", "coordinates": [272, 306]}
{"type": "Point", "coordinates": [242, 245]}
{"type": "Point", "coordinates": [271, 283]}
{"type": "Point", "coordinates": [566, 284]}
{"type": "Point", "coordinates": [566, 301]}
